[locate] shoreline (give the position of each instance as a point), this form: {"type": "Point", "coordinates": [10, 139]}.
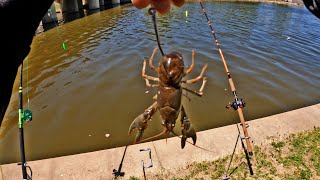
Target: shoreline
{"type": "Point", "coordinates": [41, 28]}
{"type": "Point", "coordinates": [220, 142]}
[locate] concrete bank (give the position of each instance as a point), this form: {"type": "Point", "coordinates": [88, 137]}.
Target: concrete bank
{"type": "Point", "coordinates": [167, 156]}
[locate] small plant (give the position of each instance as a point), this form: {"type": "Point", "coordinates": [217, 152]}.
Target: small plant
{"type": "Point", "coordinates": [133, 178]}
{"type": "Point", "coordinates": [278, 145]}
{"type": "Point", "coordinates": [305, 174]}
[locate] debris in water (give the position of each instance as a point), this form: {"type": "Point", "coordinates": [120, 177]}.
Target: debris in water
{"type": "Point", "coordinates": [89, 134]}
{"type": "Point", "coordinates": [288, 38]}
{"type": "Point", "coordinates": [147, 92]}
{"type": "Point", "coordinates": [107, 135]}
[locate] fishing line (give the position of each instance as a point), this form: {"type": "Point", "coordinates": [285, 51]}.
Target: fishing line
{"type": "Point", "coordinates": [152, 12]}
{"type": "Point", "coordinates": [64, 45]}
{"type": "Point", "coordinates": [157, 156]}
{"type": "Point", "coordinates": [27, 60]}
{"type": "Point", "coordinates": [193, 144]}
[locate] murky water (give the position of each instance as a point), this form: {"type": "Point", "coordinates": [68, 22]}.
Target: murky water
{"type": "Point", "coordinates": [95, 87]}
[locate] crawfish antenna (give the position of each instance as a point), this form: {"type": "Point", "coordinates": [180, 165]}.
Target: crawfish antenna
{"type": "Point", "coordinates": [152, 12]}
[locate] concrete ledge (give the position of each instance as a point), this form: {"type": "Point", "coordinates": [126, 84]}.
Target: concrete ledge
{"type": "Point", "coordinates": [167, 156]}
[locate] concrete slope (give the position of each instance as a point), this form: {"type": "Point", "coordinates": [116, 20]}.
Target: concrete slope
{"type": "Point", "coordinates": [167, 155]}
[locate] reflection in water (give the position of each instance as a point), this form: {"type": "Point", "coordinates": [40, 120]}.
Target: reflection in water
{"type": "Point", "coordinates": [95, 87]}
{"type": "Point", "coordinates": [68, 17]}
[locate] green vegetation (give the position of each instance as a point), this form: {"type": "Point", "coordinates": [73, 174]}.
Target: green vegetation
{"type": "Point", "coordinates": [133, 178]}
{"type": "Point", "coordinates": [294, 158]}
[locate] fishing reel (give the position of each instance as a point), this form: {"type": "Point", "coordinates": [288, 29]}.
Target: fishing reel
{"type": "Point", "coordinates": [236, 104]}
{"type": "Point", "coordinates": [26, 115]}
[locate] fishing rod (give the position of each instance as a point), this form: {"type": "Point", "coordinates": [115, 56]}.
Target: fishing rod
{"type": "Point", "coordinates": [24, 116]}
{"type": "Point", "coordinates": [118, 172]}
{"type": "Point", "coordinates": [226, 176]}
{"type": "Point", "coordinates": [237, 104]}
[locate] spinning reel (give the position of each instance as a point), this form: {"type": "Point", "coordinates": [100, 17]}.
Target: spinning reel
{"type": "Point", "coordinates": [236, 104]}
{"type": "Point", "coordinates": [26, 115]}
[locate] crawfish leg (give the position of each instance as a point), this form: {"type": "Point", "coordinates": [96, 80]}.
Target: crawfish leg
{"type": "Point", "coordinates": [144, 75]}
{"type": "Point", "coordinates": [197, 78]}
{"type": "Point", "coordinates": [187, 131]}
{"type": "Point", "coordinates": [192, 65]}
{"type": "Point", "coordinates": [150, 85]}
{"type": "Point", "coordinates": [141, 122]}
{"type": "Point", "coordinates": [200, 92]}
{"type": "Point", "coordinates": [151, 59]}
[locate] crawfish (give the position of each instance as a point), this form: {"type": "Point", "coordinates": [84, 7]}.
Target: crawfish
{"type": "Point", "coordinates": [170, 73]}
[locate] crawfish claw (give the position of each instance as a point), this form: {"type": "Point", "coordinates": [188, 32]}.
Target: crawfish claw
{"type": "Point", "coordinates": [140, 123]}
{"type": "Point", "coordinates": [138, 136]}
{"type": "Point", "coordinates": [188, 130]}
{"type": "Point", "coordinates": [186, 133]}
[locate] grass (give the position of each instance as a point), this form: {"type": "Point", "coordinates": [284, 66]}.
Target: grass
{"type": "Point", "coordinates": [294, 158]}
